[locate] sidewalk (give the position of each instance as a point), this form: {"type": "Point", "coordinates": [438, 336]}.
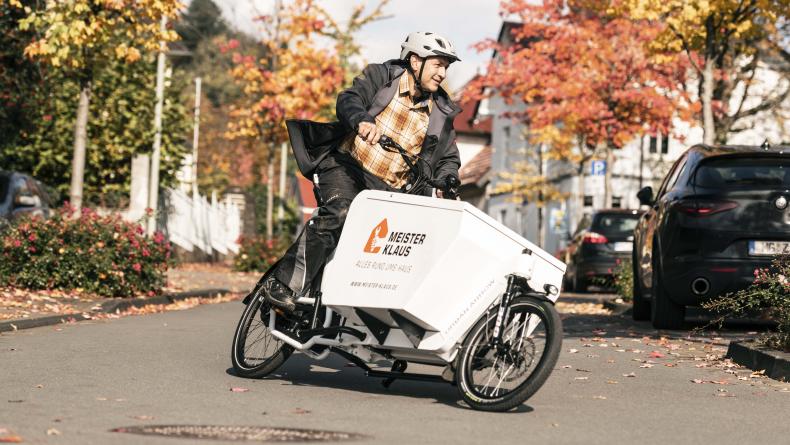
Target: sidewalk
{"type": "Point", "coordinates": [187, 285]}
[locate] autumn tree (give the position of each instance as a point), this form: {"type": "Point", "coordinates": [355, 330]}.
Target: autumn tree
{"type": "Point", "coordinates": [78, 37]}
{"type": "Point", "coordinates": [582, 83]}
{"type": "Point", "coordinates": [300, 77]}
{"type": "Point", "coordinates": [727, 42]}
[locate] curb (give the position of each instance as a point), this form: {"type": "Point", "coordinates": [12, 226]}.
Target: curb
{"type": "Point", "coordinates": [107, 307]}
{"type": "Point", "coordinates": [775, 363]}
{"type": "Point", "coordinates": [615, 307]}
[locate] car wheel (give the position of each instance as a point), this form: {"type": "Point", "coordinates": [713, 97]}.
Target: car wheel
{"type": "Point", "coordinates": [665, 313]}
{"type": "Point", "coordinates": [641, 306]}
{"type": "Point", "coordinates": [579, 284]}
{"type": "Point", "coordinates": [567, 284]}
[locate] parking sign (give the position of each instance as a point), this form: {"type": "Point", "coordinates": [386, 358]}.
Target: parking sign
{"type": "Point", "coordinates": [598, 168]}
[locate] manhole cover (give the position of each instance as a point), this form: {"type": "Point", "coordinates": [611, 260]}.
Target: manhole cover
{"type": "Point", "coordinates": [240, 433]}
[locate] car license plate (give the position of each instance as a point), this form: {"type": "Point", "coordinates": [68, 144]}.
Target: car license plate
{"type": "Point", "coordinates": [623, 246]}
{"type": "Point", "coordinates": [769, 247]}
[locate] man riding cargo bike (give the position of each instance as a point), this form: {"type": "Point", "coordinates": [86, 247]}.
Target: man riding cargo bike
{"type": "Point", "coordinates": [412, 279]}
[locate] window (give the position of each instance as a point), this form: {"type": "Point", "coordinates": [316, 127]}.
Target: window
{"type": "Point", "coordinates": [503, 216]}
{"type": "Point", "coordinates": [617, 202]}
{"type": "Point", "coordinates": [588, 200]}
{"type": "Point", "coordinates": [653, 144]}
{"type": "Point", "coordinates": [744, 172]}
{"type": "Point", "coordinates": [664, 144]}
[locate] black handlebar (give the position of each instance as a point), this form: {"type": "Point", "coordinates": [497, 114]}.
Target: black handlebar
{"type": "Point", "coordinates": [448, 185]}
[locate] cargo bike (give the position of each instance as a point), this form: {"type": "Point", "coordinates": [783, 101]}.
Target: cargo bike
{"type": "Point", "coordinates": [415, 279]}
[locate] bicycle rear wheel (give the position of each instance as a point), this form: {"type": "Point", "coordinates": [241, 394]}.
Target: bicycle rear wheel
{"type": "Point", "coordinates": [256, 352]}
{"type": "Point", "coordinates": [494, 378]}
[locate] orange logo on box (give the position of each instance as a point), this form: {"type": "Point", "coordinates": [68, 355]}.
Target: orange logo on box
{"type": "Point", "coordinates": [377, 237]}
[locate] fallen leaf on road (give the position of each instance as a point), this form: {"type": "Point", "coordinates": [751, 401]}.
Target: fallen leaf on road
{"type": "Point", "coordinates": [53, 432]}
{"type": "Point", "coordinates": [237, 389]}
{"type": "Point", "coordinates": [102, 399]}
{"type": "Point", "coordinates": [142, 417]}
{"type": "Point", "coordinates": [300, 411]}
{"type": "Point", "coordinates": [630, 374]}
{"type": "Point", "coordinates": [720, 382]}
{"type": "Point", "coordinates": [10, 439]}
{"type": "Point", "coordinates": [743, 378]}
{"type": "Point", "coordinates": [555, 425]}
{"type": "Point", "coordinates": [670, 365]}
{"type": "Point", "coordinates": [620, 350]}
{"type": "Point", "coordinates": [583, 370]}
{"type": "Point", "coordinates": [581, 378]}
{"type": "Point", "coordinates": [612, 382]}
{"type": "Point", "coordinates": [656, 354]}
{"type": "Point", "coordinates": [698, 381]}
{"type": "Point", "coordinates": [566, 366]}
{"type": "Point", "coordinates": [646, 365]}
{"type": "Point", "coordinates": [610, 361]}
{"type": "Point", "coordinates": [758, 374]}
{"type": "Point", "coordinates": [573, 351]}
{"type": "Point", "coordinates": [599, 397]}
{"type": "Point", "coordinates": [39, 386]}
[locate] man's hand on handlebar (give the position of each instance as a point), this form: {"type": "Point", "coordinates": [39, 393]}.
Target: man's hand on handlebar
{"type": "Point", "coordinates": [369, 132]}
{"type": "Point", "coordinates": [447, 187]}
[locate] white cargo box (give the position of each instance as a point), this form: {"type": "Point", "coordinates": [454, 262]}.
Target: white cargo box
{"type": "Point", "coordinates": [438, 263]}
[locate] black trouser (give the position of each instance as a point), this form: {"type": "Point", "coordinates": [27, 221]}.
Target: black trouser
{"type": "Point", "coordinates": [340, 179]}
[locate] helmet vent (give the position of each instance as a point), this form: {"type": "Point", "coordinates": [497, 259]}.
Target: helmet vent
{"type": "Point", "coordinates": [439, 41]}
{"type": "Point", "coordinates": [427, 47]}
{"type": "Point", "coordinates": [428, 33]}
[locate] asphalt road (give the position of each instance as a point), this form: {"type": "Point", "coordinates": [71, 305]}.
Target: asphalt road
{"type": "Point", "coordinates": [79, 381]}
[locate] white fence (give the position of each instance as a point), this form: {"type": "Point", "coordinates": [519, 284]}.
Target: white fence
{"type": "Point", "coordinates": [197, 223]}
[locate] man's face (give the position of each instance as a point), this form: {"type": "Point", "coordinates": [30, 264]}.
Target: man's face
{"type": "Point", "coordinates": [434, 72]}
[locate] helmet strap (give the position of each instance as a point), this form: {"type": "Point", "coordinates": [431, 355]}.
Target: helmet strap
{"type": "Point", "coordinates": [419, 90]}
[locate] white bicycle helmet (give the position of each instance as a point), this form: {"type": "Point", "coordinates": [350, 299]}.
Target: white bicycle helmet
{"type": "Point", "coordinates": [426, 44]}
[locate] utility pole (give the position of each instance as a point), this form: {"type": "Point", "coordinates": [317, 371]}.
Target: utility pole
{"type": "Point", "coordinates": [196, 138]}
{"type": "Point", "coordinates": [153, 185]}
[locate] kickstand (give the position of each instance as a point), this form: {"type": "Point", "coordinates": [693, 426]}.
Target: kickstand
{"type": "Point", "coordinates": [398, 366]}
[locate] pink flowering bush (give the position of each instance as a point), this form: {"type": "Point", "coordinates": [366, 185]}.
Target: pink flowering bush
{"type": "Point", "coordinates": [257, 253]}
{"type": "Point", "coordinates": [98, 254]}
{"type": "Point", "coordinates": [769, 293]}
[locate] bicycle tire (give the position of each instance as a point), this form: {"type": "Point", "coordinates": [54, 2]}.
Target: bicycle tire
{"type": "Point", "coordinates": [269, 363]}
{"type": "Point", "coordinates": [553, 332]}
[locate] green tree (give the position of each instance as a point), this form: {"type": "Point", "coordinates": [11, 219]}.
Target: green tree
{"type": "Point", "coordinates": [122, 110]}
{"type": "Point", "coordinates": [201, 22]}
{"type": "Point", "coordinates": [78, 37]}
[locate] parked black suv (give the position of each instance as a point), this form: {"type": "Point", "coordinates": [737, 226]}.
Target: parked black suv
{"type": "Point", "coordinates": [21, 195]}
{"type": "Point", "coordinates": [720, 213]}
{"type": "Point", "coordinates": [601, 239]}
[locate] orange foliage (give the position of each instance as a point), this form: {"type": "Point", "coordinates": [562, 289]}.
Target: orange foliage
{"type": "Point", "coordinates": [583, 76]}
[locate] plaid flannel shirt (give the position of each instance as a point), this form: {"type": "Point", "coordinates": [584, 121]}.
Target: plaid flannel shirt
{"type": "Point", "coordinates": [406, 123]}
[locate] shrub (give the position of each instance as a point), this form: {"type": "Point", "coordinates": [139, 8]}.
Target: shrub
{"type": "Point", "coordinates": [98, 254]}
{"type": "Point", "coordinates": [257, 253]}
{"type": "Point", "coordinates": [768, 294]}
{"type": "Point", "coordinates": [622, 280]}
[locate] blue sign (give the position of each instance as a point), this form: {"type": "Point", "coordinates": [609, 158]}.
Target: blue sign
{"type": "Point", "coordinates": [598, 168]}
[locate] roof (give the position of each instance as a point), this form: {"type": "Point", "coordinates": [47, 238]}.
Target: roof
{"type": "Point", "coordinates": [477, 167]}
{"type": "Point", "coordinates": [307, 201]}
{"type": "Point", "coordinates": [724, 150]}
{"type": "Point", "coordinates": [467, 121]}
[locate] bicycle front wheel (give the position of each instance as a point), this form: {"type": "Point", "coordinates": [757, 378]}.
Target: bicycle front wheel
{"type": "Point", "coordinates": [499, 378]}
{"type": "Point", "coordinates": [256, 352]}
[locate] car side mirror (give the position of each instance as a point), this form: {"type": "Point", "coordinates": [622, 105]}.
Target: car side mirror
{"type": "Point", "coordinates": [645, 196]}
{"type": "Point", "coordinates": [26, 201]}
